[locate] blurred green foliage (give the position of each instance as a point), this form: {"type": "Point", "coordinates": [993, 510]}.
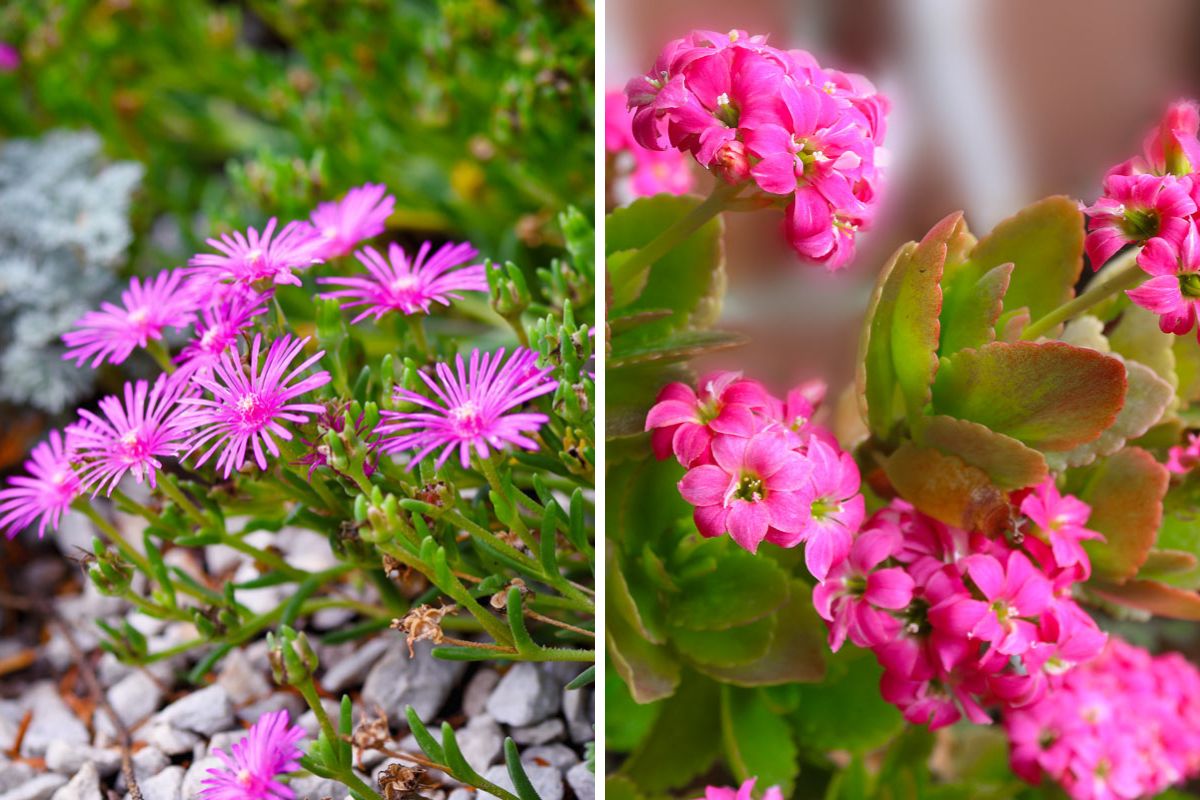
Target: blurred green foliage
{"type": "Point", "coordinates": [477, 114]}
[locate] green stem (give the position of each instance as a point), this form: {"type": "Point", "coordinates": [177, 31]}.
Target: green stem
{"type": "Point", "coordinates": [171, 490]}
{"type": "Point", "coordinates": [514, 322]}
{"type": "Point", "coordinates": [488, 467]}
{"type": "Point", "coordinates": [416, 324]}
{"type": "Point", "coordinates": [160, 354]}
{"type": "Point", "coordinates": [1121, 273]}
{"type": "Point", "coordinates": [627, 273]}
{"type": "Point", "coordinates": [113, 536]}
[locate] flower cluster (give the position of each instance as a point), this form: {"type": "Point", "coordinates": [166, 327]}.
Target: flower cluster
{"type": "Point", "coordinates": [1151, 202]}
{"type": "Point", "coordinates": [750, 112]}
{"type": "Point", "coordinates": [759, 468]}
{"type": "Point", "coordinates": [650, 172]}
{"type": "Point", "coordinates": [960, 621]}
{"type": "Point", "coordinates": [1125, 725]}
{"type": "Point", "coordinates": [236, 386]}
{"type": "Point", "coordinates": [251, 770]}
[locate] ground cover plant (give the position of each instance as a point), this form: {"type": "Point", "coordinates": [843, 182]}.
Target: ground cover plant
{"type": "Point", "coordinates": [941, 581]}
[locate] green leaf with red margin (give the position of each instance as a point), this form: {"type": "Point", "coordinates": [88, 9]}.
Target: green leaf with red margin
{"type": "Point", "coordinates": [1044, 242]}
{"type": "Point", "coordinates": [876, 373]}
{"type": "Point", "coordinates": [625, 587]}
{"type": "Point", "coordinates": [797, 651]}
{"type": "Point", "coordinates": [845, 711]}
{"type": "Point", "coordinates": [758, 742]}
{"type": "Point", "coordinates": [732, 647]}
{"type": "Point", "coordinates": [1049, 395]}
{"type": "Point", "coordinates": [684, 741]}
{"type": "Point", "coordinates": [649, 670]}
{"type": "Point", "coordinates": [947, 488]}
{"type": "Point", "coordinates": [971, 307]}
{"type": "Point", "coordinates": [1125, 492]}
{"type": "Point", "coordinates": [1153, 597]}
{"type": "Point", "coordinates": [1166, 563]}
{"type": "Point", "coordinates": [1007, 462]}
{"type": "Point", "coordinates": [915, 326]}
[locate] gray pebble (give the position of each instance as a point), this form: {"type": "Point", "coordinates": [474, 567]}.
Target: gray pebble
{"type": "Point", "coordinates": [242, 680]}
{"type": "Point", "coordinates": [311, 787]}
{"type": "Point", "coordinates": [166, 785]}
{"type": "Point", "coordinates": [524, 696]}
{"type": "Point", "coordinates": [481, 741]}
{"type": "Point", "coordinates": [274, 702]}
{"type": "Point", "coordinates": [550, 730]}
{"type": "Point", "coordinates": [547, 781]}
{"type": "Point", "coordinates": [555, 755]}
{"type": "Point", "coordinates": [478, 689]}
{"type": "Point", "coordinates": [204, 712]}
{"type": "Point", "coordinates": [52, 720]}
{"type": "Point", "coordinates": [13, 774]}
{"type": "Point", "coordinates": [169, 740]}
{"type": "Point", "coordinates": [40, 787]}
{"type": "Point", "coordinates": [223, 741]}
{"type": "Point", "coordinates": [582, 781]}
{"type": "Point", "coordinates": [579, 708]}
{"type": "Point", "coordinates": [68, 759]}
{"type": "Point", "coordinates": [135, 697]}
{"type": "Point", "coordinates": [84, 786]}
{"type": "Point", "coordinates": [397, 681]}
{"type": "Point", "coordinates": [352, 669]}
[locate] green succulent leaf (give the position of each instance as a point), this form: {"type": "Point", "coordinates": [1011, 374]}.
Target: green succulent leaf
{"type": "Point", "coordinates": [649, 670]}
{"type": "Point", "coordinates": [743, 588]}
{"type": "Point", "coordinates": [683, 741]}
{"type": "Point", "coordinates": [758, 743]}
{"type": "Point", "coordinates": [1153, 597]}
{"type": "Point", "coordinates": [1007, 462]}
{"type": "Point", "coordinates": [632, 349]}
{"type": "Point", "coordinates": [971, 307]}
{"type": "Point", "coordinates": [1125, 492]}
{"type": "Point", "coordinates": [845, 711]}
{"type": "Point", "coordinates": [732, 647]}
{"type": "Point", "coordinates": [878, 396]}
{"type": "Point", "coordinates": [1049, 395]}
{"type": "Point", "coordinates": [947, 488]}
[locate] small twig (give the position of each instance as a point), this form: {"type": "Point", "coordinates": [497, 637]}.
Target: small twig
{"type": "Point", "coordinates": [558, 623]}
{"type": "Point", "coordinates": [15, 751]}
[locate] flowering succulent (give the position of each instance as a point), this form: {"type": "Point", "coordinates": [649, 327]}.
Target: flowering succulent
{"type": "Point", "coordinates": [147, 309]}
{"type": "Point", "coordinates": [253, 257]}
{"type": "Point", "coordinates": [253, 765]}
{"type": "Point", "coordinates": [361, 214]}
{"type": "Point", "coordinates": [45, 492]}
{"type": "Point", "coordinates": [648, 171]}
{"type": "Point", "coordinates": [1003, 492]}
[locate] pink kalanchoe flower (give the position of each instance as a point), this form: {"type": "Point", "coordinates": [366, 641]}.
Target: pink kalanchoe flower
{"type": "Point", "coordinates": [361, 214]}
{"type": "Point", "coordinates": [1182, 459]}
{"type": "Point", "coordinates": [130, 435]}
{"type": "Point", "coordinates": [470, 409]}
{"type": "Point", "coordinates": [836, 508]}
{"type": "Point", "coordinates": [1171, 148]}
{"type": "Point", "coordinates": [743, 792]}
{"type": "Point", "coordinates": [10, 57]}
{"type": "Point", "coordinates": [649, 172]}
{"type": "Point", "coordinates": [409, 287]}
{"type": "Point", "coordinates": [230, 313]}
{"type": "Point", "coordinates": [685, 421]}
{"type": "Point", "coordinates": [247, 407]}
{"type": "Point", "coordinates": [857, 597]}
{"type": "Point", "coordinates": [1062, 521]}
{"type": "Point", "coordinates": [253, 257]}
{"type": "Point", "coordinates": [251, 770]}
{"type": "Point", "coordinates": [147, 309]}
{"type": "Point", "coordinates": [1174, 290]}
{"type": "Point", "coordinates": [1015, 593]}
{"type": "Point", "coordinates": [1135, 209]}
{"type": "Point", "coordinates": [44, 493]}
{"type": "Point", "coordinates": [752, 492]}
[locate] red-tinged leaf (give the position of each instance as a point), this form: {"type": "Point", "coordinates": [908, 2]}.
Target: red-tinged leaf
{"type": "Point", "coordinates": [1049, 395]}
{"type": "Point", "coordinates": [1156, 598]}
{"type": "Point", "coordinates": [948, 489]}
{"type": "Point", "coordinates": [1125, 492]}
{"type": "Point", "coordinates": [876, 373]}
{"type": "Point", "coordinates": [1044, 242]}
{"type": "Point", "coordinates": [1167, 562]}
{"type": "Point", "coordinates": [1007, 462]}
{"type": "Point", "coordinates": [650, 671]}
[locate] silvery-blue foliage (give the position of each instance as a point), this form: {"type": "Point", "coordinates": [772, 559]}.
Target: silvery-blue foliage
{"type": "Point", "coordinates": [64, 230]}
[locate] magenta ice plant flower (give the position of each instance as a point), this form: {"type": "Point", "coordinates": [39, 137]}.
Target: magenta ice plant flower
{"type": "Point", "coordinates": [473, 408]}
{"type": "Point", "coordinates": [752, 492]}
{"type": "Point", "coordinates": [248, 404]}
{"type": "Point", "coordinates": [361, 214]}
{"type": "Point", "coordinates": [130, 434]}
{"type": "Point", "coordinates": [857, 597]}
{"type": "Point", "coordinates": [835, 508]}
{"type": "Point", "coordinates": [408, 286]}
{"type": "Point", "coordinates": [10, 57]}
{"type": "Point", "coordinates": [1135, 209]}
{"type": "Point", "coordinates": [685, 421]}
{"type": "Point", "coordinates": [251, 768]}
{"type": "Point", "coordinates": [1062, 520]}
{"type": "Point", "coordinates": [1173, 291]}
{"type": "Point", "coordinates": [147, 309]}
{"type": "Point", "coordinates": [46, 490]}
{"type": "Point", "coordinates": [229, 314]}
{"type": "Point", "coordinates": [253, 257]}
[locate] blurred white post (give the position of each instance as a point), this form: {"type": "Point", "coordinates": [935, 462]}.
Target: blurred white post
{"type": "Point", "coordinates": [953, 82]}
